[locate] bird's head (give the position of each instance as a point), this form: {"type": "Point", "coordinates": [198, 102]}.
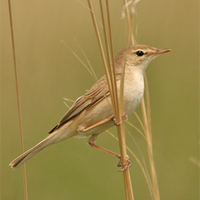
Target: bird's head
{"type": "Point", "coordinates": [137, 56]}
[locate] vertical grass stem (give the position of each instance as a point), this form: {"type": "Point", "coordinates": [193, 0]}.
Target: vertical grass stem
{"type": "Point", "coordinates": [18, 98]}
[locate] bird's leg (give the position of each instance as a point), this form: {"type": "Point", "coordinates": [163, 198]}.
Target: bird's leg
{"type": "Point", "coordinates": [92, 143]}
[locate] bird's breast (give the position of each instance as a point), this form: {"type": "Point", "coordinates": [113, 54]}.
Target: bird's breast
{"type": "Point", "coordinates": [133, 91]}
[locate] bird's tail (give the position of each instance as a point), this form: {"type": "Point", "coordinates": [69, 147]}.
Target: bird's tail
{"type": "Point", "coordinates": [17, 162]}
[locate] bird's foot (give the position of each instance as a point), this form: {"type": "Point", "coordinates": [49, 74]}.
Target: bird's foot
{"type": "Point", "coordinates": [118, 123]}
{"type": "Point", "coordinates": [126, 165]}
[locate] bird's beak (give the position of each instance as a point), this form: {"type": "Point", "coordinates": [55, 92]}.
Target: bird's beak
{"type": "Point", "coordinates": [159, 51]}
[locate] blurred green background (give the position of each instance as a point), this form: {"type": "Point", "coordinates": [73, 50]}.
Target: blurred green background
{"type": "Point", "coordinates": [48, 72]}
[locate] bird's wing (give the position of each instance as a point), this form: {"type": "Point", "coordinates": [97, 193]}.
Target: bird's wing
{"type": "Point", "coordinates": [96, 93]}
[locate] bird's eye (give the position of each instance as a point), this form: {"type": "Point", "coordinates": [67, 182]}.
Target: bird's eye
{"type": "Point", "coordinates": [139, 53]}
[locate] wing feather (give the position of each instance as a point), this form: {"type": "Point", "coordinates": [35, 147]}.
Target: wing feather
{"type": "Point", "coordinates": [97, 93]}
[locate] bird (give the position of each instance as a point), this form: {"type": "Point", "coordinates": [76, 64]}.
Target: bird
{"type": "Point", "coordinates": [91, 114]}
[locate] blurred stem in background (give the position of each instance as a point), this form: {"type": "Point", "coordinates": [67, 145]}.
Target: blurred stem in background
{"type": "Point", "coordinates": [18, 98]}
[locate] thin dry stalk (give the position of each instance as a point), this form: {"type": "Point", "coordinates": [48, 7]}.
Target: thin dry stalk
{"type": "Point", "coordinates": [145, 108]}
{"type": "Point", "coordinates": [101, 49]}
{"type": "Point", "coordinates": [147, 98]}
{"type": "Point", "coordinates": [18, 99]}
{"type": "Point", "coordinates": [129, 17]}
{"type": "Point", "coordinates": [140, 121]}
{"type": "Point", "coordinates": [150, 150]}
{"type": "Point", "coordinates": [119, 115]}
{"type": "Point", "coordinates": [140, 132]}
{"type": "Point", "coordinates": [111, 79]}
{"type": "Point", "coordinates": [111, 69]}
{"type": "Point", "coordinates": [143, 168]}
{"type": "Point", "coordinates": [89, 69]}
{"type": "Point", "coordinates": [121, 134]}
{"type": "Point", "coordinates": [90, 66]}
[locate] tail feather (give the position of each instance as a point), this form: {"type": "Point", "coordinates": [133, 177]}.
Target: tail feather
{"type": "Point", "coordinates": [30, 153]}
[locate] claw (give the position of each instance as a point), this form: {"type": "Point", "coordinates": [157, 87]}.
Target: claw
{"type": "Point", "coordinates": [118, 123]}
{"type": "Point", "coordinates": [126, 165]}
{"type": "Point", "coordinates": [115, 122]}
{"type": "Point", "coordinates": [125, 117]}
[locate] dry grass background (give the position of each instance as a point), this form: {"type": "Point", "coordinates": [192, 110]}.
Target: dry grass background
{"type": "Point", "coordinates": [48, 72]}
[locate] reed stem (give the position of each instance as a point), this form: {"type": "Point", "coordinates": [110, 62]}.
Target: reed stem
{"type": "Point", "coordinates": [18, 99]}
{"type": "Point", "coordinates": [117, 100]}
